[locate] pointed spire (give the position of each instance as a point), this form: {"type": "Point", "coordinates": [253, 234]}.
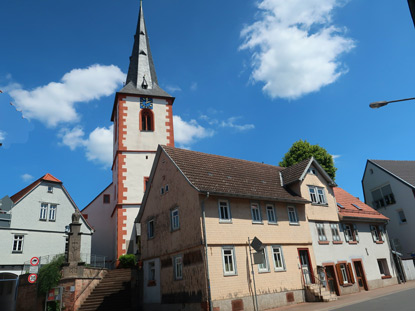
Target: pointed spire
{"type": "Point", "coordinates": [141, 77]}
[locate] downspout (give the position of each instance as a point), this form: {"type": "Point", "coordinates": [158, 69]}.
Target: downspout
{"type": "Point", "coordinates": [391, 245]}
{"type": "Point", "coordinates": [206, 253]}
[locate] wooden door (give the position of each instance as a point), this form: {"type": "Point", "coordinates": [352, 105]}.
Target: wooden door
{"type": "Point", "coordinates": [360, 276]}
{"type": "Point", "coordinates": [331, 280]}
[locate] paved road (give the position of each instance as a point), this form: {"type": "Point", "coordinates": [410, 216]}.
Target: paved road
{"type": "Point", "coordinates": [402, 301]}
{"type": "Point", "coordinates": [400, 297]}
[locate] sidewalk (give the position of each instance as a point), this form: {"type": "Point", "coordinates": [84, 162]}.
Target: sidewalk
{"type": "Point", "coordinates": [347, 300]}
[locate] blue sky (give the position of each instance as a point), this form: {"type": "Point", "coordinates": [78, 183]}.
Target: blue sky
{"type": "Point", "coordinates": [249, 77]}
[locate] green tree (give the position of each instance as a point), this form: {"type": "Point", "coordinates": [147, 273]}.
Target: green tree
{"type": "Point", "coordinates": [302, 150]}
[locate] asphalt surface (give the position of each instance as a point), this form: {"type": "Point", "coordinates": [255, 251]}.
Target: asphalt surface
{"type": "Point", "coordinates": [400, 297]}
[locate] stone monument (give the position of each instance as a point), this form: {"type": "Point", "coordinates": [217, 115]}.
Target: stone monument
{"type": "Point", "coordinates": [74, 267]}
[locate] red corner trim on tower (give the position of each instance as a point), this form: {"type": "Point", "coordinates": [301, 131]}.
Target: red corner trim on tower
{"type": "Point", "coordinates": [169, 124]}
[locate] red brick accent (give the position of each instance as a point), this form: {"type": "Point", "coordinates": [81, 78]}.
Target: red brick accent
{"type": "Point", "coordinates": [169, 124]}
{"type": "Point", "coordinates": [122, 190]}
{"type": "Point", "coordinates": [121, 230]}
{"type": "Point", "coordinates": [122, 126]}
{"type": "Point", "coordinates": [323, 242]}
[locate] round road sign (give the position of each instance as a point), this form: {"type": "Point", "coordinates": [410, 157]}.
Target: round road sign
{"type": "Point", "coordinates": [34, 261]}
{"type": "Point", "coordinates": [32, 278]}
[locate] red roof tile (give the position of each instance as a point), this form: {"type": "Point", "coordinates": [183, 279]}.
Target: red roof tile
{"type": "Point", "coordinates": [347, 200]}
{"type": "Point", "coordinates": [48, 177]}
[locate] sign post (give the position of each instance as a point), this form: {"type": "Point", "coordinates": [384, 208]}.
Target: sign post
{"type": "Point", "coordinates": [32, 278]}
{"type": "Point", "coordinates": [33, 270]}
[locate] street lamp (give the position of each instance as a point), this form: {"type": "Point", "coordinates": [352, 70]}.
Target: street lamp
{"type": "Point", "coordinates": [384, 103]}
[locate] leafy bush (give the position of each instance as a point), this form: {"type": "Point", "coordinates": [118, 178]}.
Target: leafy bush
{"type": "Point", "coordinates": [49, 275]}
{"type": "Point", "coordinates": [127, 261]}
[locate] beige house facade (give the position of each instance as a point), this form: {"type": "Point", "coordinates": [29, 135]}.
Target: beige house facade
{"type": "Point", "coordinates": [198, 215]}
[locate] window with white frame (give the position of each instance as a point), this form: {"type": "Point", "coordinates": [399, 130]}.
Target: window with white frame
{"type": "Point", "coordinates": [383, 267]}
{"type": "Point", "coordinates": [321, 232]}
{"type": "Point", "coordinates": [175, 223]}
{"type": "Point", "coordinates": [224, 211]}
{"type": "Point", "coordinates": [150, 228]}
{"type": "Point", "coordinates": [292, 215]}
{"type": "Point", "coordinates": [264, 267]}
{"type": "Point", "coordinates": [52, 212]}
{"type": "Point", "coordinates": [43, 211]}
{"type": "Point", "coordinates": [50, 189]}
{"type": "Point", "coordinates": [151, 271]}
{"type": "Point", "coordinates": [402, 217]}
{"type": "Point", "coordinates": [256, 213]}
{"type": "Point", "coordinates": [279, 264]}
{"type": "Point", "coordinates": [350, 233]}
{"type": "Point", "coordinates": [18, 243]}
{"type": "Point", "coordinates": [377, 233]}
{"type": "Point", "coordinates": [272, 218]}
{"type": "Point", "coordinates": [178, 267]}
{"type": "Point", "coordinates": [383, 196]}
{"type": "Point", "coordinates": [228, 259]}
{"type": "Point", "coordinates": [343, 270]}
{"type": "Point", "coordinates": [317, 195]}
{"type": "Point", "coordinates": [335, 232]}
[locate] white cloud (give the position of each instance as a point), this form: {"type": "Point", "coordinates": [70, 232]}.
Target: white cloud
{"type": "Point", "coordinates": [188, 132]}
{"type": "Point", "coordinates": [295, 46]}
{"type": "Point", "coordinates": [54, 103]}
{"type": "Point", "coordinates": [173, 88]}
{"type": "Point", "coordinates": [335, 156]}
{"type": "Point", "coordinates": [193, 86]}
{"type": "Point", "coordinates": [2, 136]}
{"type": "Point", "coordinates": [98, 145]}
{"type": "Point", "coordinates": [230, 122]}
{"type": "Point", "coordinates": [27, 177]}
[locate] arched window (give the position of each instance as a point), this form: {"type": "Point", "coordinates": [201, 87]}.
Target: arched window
{"type": "Point", "coordinates": [146, 120]}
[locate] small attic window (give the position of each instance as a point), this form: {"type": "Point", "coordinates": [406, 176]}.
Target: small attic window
{"type": "Point", "coordinates": [50, 189]}
{"type": "Point", "coordinates": [358, 207]}
{"type": "Point", "coordinates": [312, 171]}
{"type": "Point", "coordinates": [142, 32]}
{"type": "Point", "coordinates": [142, 52]}
{"type": "Point", "coordinates": [339, 205]}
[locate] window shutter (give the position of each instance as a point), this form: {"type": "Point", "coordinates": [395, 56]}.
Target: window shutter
{"type": "Point", "coordinates": [350, 272]}
{"type": "Point", "coordinates": [356, 233]}
{"type": "Point", "coordinates": [339, 274]}
{"type": "Point", "coordinates": [346, 237]}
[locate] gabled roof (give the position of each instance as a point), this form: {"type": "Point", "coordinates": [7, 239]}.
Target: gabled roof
{"type": "Point", "coordinates": [403, 170]}
{"type": "Point", "coordinates": [19, 195]}
{"type": "Point", "coordinates": [346, 200]}
{"type": "Point", "coordinates": [230, 177]}
{"type": "Point", "coordinates": [298, 171]}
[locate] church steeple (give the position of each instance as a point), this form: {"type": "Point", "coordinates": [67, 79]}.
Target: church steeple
{"type": "Point", "coordinates": [141, 77]}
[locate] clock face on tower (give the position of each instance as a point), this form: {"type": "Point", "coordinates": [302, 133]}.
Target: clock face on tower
{"type": "Point", "coordinates": [146, 103]}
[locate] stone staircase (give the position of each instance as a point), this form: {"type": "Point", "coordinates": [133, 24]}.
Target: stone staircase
{"type": "Point", "coordinates": [314, 291]}
{"type": "Point", "coordinates": [112, 293]}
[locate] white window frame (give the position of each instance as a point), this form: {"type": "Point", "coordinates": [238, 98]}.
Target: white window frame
{"type": "Point", "coordinates": [150, 229]}
{"type": "Point", "coordinates": [50, 189]}
{"type": "Point", "coordinates": [152, 271]}
{"type": "Point", "coordinates": [52, 212]}
{"type": "Point", "coordinates": [223, 205]}
{"type": "Point", "coordinates": [343, 269]}
{"type": "Point", "coordinates": [178, 267]}
{"type": "Point", "coordinates": [385, 199]}
{"type": "Point", "coordinates": [317, 195]}
{"type": "Point", "coordinates": [351, 233]}
{"type": "Point", "coordinates": [256, 213]}
{"type": "Point", "coordinates": [270, 209]}
{"type": "Point", "coordinates": [377, 233]}
{"type": "Point", "coordinates": [264, 267]}
{"type": "Point", "coordinates": [175, 219]}
{"type": "Point", "coordinates": [335, 233]}
{"type": "Point", "coordinates": [43, 211]}
{"type": "Point", "coordinates": [292, 215]}
{"type": "Point", "coordinates": [18, 240]}
{"type": "Point", "coordinates": [277, 251]}
{"type": "Point", "coordinates": [321, 232]}
{"type": "Point", "coordinates": [230, 254]}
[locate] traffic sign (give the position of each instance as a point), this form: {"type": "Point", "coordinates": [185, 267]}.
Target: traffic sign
{"type": "Point", "coordinates": [34, 261]}
{"type": "Point", "coordinates": [34, 269]}
{"type": "Point", "coordinates": [32, 278]}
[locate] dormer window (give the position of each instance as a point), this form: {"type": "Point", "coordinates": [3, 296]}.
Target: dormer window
{"type": "Point", "coordinates": [317, 195]}
{"type": "Point", "coordinates": [146, 120]}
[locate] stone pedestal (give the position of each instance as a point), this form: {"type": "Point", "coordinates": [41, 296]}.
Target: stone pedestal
{"type": "Point", "coordinates": [74, 267]}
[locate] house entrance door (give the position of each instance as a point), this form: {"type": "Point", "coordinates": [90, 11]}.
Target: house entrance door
{"type": "Point", "coordinates": [331, 280]}
{"type": "Point", "coordinates": [305, 266]}
{"type": "Point", "coordinates": [361, 281]}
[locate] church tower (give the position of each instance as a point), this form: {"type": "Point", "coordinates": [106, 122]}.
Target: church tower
{"type": "Point", "coordinates": [143, 119]}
